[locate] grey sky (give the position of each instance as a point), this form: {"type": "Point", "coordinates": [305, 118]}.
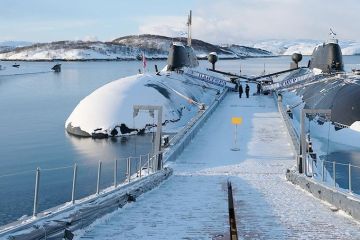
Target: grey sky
{"type": "Point", "coordinates": [217, 21]}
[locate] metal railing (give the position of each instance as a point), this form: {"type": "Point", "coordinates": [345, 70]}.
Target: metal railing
{"type": "Point", "coordinates": [325, 171]}
{"type": "Point", "coordinates": [136, 167]}
{"type": "Point", "coordinates": [322, 170]}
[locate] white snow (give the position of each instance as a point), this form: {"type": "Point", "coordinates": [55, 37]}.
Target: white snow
{"type": "Point", "coordinates": [355, 126]}
{"type": "Point", "coordinates": [80, 51]}
{"type": "Point", "coordinates": [192, 204]}
{"type": "Point", "coordinates": [112, 104]}
{"type": "Point", "coordinates": [304, 46]}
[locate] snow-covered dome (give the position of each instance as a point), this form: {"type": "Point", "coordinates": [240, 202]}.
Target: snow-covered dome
{"type": "Point", "coordinates": [108, 111]}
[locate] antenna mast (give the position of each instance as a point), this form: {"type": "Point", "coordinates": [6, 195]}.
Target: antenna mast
{"type": "Point", "coordinates": [333, 38]}
{"type": "Point", "coordinates": [189, 29]}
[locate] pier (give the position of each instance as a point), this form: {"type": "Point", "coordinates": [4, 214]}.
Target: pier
{"type": "Point", "coordinates": [193, 202]}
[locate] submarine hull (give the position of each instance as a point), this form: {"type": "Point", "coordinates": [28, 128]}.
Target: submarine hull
{"type": "Point", "coordinates": [339, 94]}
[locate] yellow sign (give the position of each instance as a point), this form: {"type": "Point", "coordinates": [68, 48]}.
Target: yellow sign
{"type": "Point", "coordinates": [236, 120]}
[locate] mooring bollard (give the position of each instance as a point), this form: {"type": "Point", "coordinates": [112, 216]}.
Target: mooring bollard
{"type": "Point", "coordinates": [334, 173]}
{"type": "Point", "coordinates": [36, 194]}
{"type": "Point", "coordinates": [74, 184]}
{"type": "Point", "coordinates": [98, 179]}
{"type": "Point", "coordinates": [115, 173]}
{"type": "Point", "coordinates": [350, 187]}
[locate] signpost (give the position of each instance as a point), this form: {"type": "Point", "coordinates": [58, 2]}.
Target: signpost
{"type": "Point", "coordinates": [236, 121]}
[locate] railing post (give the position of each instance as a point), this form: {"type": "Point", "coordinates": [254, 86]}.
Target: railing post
{"type": "Point", "coordinates": [74, 184]}
{"type": "Point", "coordinates": [323, 171]}
{"type": "Point", "coordinates": [334, 173]}
{"type": "Point", "coordinates": [350, 187]}
{"type": "Point", "coordinates": [148, 163]}
{"type": "Point", "coordinates": [115, 173]}
{"type": "Point", "coordinates": [129, 168]}
{"type": "Point", "coordinates": [36, 194]}
{"type": "Point", "coordinates": [140, 165]}
{"type": "Point", "coordinates": [98, 179]}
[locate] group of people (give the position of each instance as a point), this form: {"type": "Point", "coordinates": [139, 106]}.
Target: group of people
{"type": "Point", "coordinates": [241, 90]}
{"type": "Point", "coordinates": [247, 90]}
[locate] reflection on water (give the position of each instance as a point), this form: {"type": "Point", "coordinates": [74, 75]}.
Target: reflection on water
{"type": "Point", "coordinates": [342, 159]}
{"type": "Point", "coordinates": [342, 155]}
{"type": "Point", "coordinates": [109, 149]}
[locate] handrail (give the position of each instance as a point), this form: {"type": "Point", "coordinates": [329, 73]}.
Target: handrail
{"type": "Point", "coordinates": [132, 174]}
{"type": "Point", "coordinates": [324, 174]}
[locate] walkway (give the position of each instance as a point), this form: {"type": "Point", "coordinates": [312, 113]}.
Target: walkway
{"type": "Point", "coordinates": [192, 204]}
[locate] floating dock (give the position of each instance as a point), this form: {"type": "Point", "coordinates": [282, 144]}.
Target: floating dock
{"type": "Point", "coordinates": [192, 203]}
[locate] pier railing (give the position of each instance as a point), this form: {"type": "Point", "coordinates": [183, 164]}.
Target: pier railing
{"type": "Point", "coordinates": [133, 168]}
{"type": "Point", "coordinates": [334, 174]}
{"type": "Point", "coordinates": [341, 176]}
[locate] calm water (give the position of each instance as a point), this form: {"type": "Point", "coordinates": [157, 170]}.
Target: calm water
{"type": "Point", "coordinates": [33, 112]}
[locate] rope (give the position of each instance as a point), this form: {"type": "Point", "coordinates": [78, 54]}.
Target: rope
{"type": "Point", "coordinates": [58, 168]}
{"type": "Point", "coordinates": [183, 96]}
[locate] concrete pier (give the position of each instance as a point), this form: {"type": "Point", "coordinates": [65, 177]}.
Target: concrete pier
{"type": "Point", "coordinates": [192, 204]}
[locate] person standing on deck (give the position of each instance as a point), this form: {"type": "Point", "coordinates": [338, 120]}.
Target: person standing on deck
{"type": "Point", "coordinates": [247, 90]}
{"type": "Point", "coordinates": [258, 88]}
{"type": "Point", "coordinates": [240, 90]}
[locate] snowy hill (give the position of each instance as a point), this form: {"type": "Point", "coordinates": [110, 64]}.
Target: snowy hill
{"type": "Point", "coordinates": [201, 48]}
{"type": "Point", "coordinates": [77, 50]}
{"type": "Point", "coordinates": [124, 48]}
{"type": "Point", "coordinates": [10, 45]}
{"type": "Point", "coordinates": [304, 46]}
{"type": "Point", "coordinates": [243, 51]}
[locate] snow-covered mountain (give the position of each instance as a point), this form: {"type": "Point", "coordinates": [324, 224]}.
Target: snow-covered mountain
{"type": "Point", "coordinates": [124, 48]}
{"type": "Point", "coordinates": [10, 45]}
{"type": "Point", "coordinates": [77, 50]}
{"type": "Point", "coordinates": [304, 46]}
{"type": "Point", "coordinates": [243, 51]}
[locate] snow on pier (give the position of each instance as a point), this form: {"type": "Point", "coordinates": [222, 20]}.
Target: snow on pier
{"type": "Point", "coordinates": [192, 204]}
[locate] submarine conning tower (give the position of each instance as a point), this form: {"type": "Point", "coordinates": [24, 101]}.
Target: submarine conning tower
{"type": "Point", "coordinates": [327, 57]}
{"type": "Point", "coordinates": [181, 56]}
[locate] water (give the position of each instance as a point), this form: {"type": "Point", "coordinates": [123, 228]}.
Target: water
{"type": "Point", "coordinates": [33, 112]}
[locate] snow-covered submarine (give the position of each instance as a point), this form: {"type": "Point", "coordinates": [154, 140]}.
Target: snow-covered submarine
{"type": "Point", "coordinates": [323, 84]}
{"type": "Point", "coordinates": [181, 88]}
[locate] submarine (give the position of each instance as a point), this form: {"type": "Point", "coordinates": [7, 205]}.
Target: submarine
{"type": "Point", "coordinates": [182, 88]}
{"type": "Point", "coordinates": [323, 84]}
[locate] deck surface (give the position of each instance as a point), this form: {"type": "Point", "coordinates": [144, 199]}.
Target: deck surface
{"type": "Point", "coordinates": [192, 204]}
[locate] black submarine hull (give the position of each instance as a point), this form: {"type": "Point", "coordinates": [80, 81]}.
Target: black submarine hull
{"type": "Point", "coordinates": [325, 85]}
{"type": "Point", "coordinates": [327, 57]}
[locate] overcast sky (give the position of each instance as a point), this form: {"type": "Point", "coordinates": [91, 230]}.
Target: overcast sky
{"type": "Point", "coordinates": [216, 21]}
